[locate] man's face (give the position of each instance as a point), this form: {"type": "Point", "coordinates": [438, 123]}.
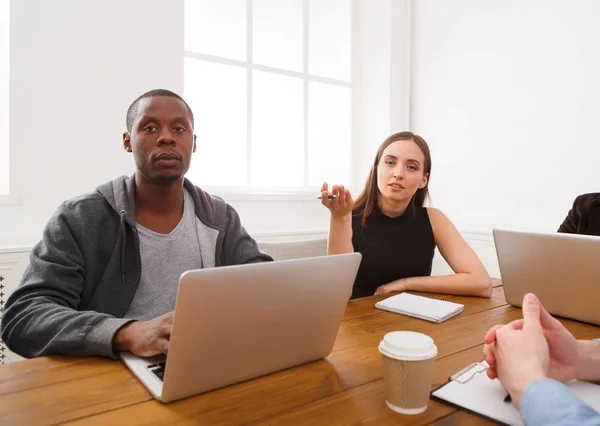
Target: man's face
{"type": "Point", "coordinates": [162, 139]}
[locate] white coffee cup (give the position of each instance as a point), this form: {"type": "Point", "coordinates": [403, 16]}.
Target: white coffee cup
{"type": "Point", "coordinates": [407, 364]}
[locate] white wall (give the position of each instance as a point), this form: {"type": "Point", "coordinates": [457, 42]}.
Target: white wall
{"type": "Point", "coordinates": [504, 91]}
{"type": "Point", "coordinates": [75, 68]}
{"type": "Point", "coordinates": [373, 78]}
{"type": "Point", "coordinates": [4, 94]}
{"type": "Point", "coordinates": [507, 93]}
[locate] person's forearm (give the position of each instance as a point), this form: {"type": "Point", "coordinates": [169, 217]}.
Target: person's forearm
{"type": "Point", "coordinates": [461, 284]}
{"type": "Point", "coordinates": [34, 326]}
{"type": "Point", "coordinates": [588, 365]}
{"type": "Point", "coordinates": [340, 236]}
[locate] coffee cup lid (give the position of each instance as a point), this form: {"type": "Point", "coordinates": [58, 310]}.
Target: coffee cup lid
{"type": "Point", "coordinates": [408, 346]}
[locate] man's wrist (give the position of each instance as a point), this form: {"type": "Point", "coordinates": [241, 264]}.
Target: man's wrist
{"type": "Point", "coordinates": [580, 363]}
{"type": "Point", "coordinates": [122, 339]}
{"type": "Point", "coordinates": [588, 357]}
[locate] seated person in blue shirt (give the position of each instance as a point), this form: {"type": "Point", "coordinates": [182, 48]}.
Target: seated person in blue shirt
{"type": "Point", "coordinates": [396, 235]}
{"type": "Point", "coordinates": [533, 357]}
{"type": "Point", "coordinates": [584, 217]}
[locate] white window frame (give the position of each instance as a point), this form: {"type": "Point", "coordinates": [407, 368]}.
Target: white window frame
{"type": "Point", "coordinates": [306, 192]}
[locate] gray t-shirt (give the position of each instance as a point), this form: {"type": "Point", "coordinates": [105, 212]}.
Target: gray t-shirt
{"type": "Point", "coordinates": [164, 258]}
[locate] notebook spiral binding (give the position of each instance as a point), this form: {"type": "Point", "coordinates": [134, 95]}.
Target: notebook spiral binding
{"type": "Point", "coordinates": [431, 296]}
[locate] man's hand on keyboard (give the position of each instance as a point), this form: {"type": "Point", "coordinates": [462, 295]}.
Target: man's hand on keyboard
{"type": "Point", "coordinates": [145, 338]}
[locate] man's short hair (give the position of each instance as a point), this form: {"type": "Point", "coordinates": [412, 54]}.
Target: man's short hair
{"type": "Point", "coordinates": [132, 111]}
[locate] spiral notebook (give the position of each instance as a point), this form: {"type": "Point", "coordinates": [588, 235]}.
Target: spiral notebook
{"type": "Point", "coordinates": [425, 308]}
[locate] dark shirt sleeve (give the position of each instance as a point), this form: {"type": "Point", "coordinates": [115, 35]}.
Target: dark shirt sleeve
{"type": "Point", "coordinates": [238, 246]}
{"type": "Point", "coordinates": [41, 316]}
{"type": "Point", "coordinates": [571, 223]}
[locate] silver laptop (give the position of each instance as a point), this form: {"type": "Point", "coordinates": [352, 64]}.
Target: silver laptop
{"type": "Point", "coordinates": [239, 322]}
{"type": "Point", "coordinates": [562, 270]}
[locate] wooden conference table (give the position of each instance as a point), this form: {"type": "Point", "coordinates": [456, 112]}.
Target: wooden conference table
{"type": "Point", "coordinates": [345, 388]}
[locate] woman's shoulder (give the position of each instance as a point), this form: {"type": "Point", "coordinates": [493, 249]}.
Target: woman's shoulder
{"type": "Point", "coordinates": [437, 217]}
{"type": "Point", "coordinates": [440, 223]}
{"type": "Point", "coordinates": [432, 211]}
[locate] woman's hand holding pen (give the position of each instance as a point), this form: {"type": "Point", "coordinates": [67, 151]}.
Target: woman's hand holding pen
{"type": "Point", "coordinates": [341, 206]}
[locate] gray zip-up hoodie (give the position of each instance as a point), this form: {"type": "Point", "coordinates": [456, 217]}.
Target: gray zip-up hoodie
{"type": "Point", "coordinates": [84, 272]}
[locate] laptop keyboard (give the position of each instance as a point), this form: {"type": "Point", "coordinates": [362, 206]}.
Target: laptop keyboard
{"type": "Point", "coordinates": [158, 369]}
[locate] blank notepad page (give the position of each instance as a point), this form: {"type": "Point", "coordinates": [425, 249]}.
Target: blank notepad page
{"type": "Point", "coordinates": [420, 307]}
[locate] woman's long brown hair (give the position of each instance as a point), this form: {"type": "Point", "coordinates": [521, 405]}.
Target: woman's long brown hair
{"type": "Point", "coordinates": [367, 200]}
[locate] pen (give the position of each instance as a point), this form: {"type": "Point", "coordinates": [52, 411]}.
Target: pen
{"type": "Point", "coordinates": [330, 196]}
{"type": "Point", "coordinates": [507, 398]}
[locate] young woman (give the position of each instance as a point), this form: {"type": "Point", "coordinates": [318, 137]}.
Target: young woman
{"type": "Point", "coordinates": [396, 235]}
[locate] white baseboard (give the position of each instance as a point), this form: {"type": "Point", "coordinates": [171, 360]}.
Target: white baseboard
{"type": "Point", "coordinates": [15, 249]}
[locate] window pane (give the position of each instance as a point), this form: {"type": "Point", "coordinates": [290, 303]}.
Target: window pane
{"type": "Point", "coordinates": [277, 131]}
{"type": "Point", "coordinates": [4, 98]}
{"type": "Point", "coordinates": [329, 47]}
{"type": "Point", "coordinates": [217, 96]}
{"type": "Point", "coordinates": [216, 27]}
{"type": "Point", "coordinates": [277, 33]}
{"type": "Point", "coordinates": [329, 134]}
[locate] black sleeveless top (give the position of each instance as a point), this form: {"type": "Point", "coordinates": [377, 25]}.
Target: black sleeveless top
{"type": "Point", "coordinates": [392, 248]}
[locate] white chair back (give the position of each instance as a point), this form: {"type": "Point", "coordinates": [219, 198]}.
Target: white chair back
{"type": "Point", "coordinates": [294, 249]}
